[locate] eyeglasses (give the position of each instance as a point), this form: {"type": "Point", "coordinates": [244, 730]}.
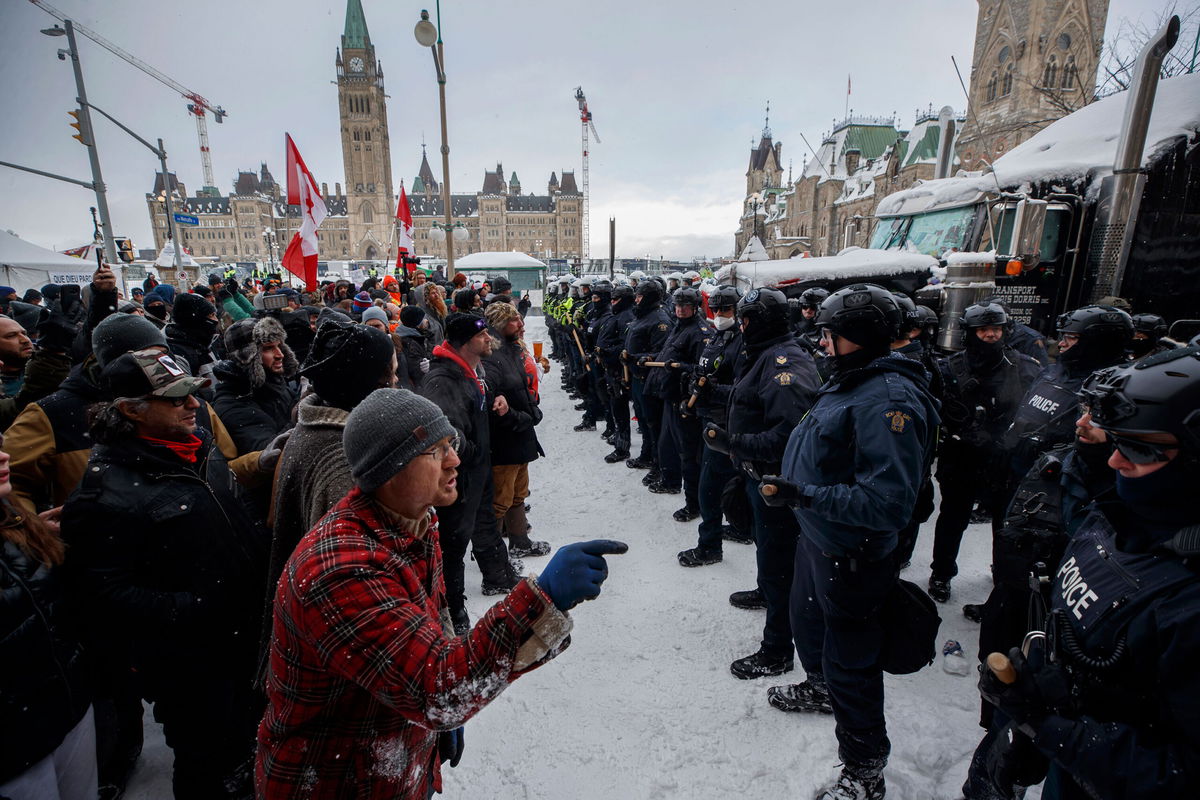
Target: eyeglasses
{"type": "Point", "coordinates": [443, 451]}
{"type": "Point", "coordinates": [1138, 451]}
{"type": "Point", "coordinates": [178, 402]}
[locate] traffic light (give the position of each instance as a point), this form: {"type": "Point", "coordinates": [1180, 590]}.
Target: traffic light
{"type": "Point", "coordinates": [125, 250]}
{"type": "Point", "coordinates": [83, 135]}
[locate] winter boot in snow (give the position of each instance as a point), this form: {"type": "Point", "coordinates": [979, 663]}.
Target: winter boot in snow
{"type": "Point", "coordinates": [856, 783]}
{"type": "Point", "coordinates": [640, 463]}
{"type": "Point", "coordinates": [973, 612]}
{"type": "Point", "coordinates": [653, 476]}
{"type": "Point", "coordinates": [620, 453]}
{"type": "Point", "coordinates": [499, 577]}
{"type": "Point", "coordinates": [586, 425]}
{"type": "Point", "coordinates": [580, 406]}
{"type": "Point", "coordinates": [761, 665]}
{"type": "Point", "coordinates": [812, 696]}
{"type": "Point", "coordinates": [939, 589]}
{"type": "Point", "coordinates": [462, 622]}
{"type": "Point", "coordinates": [732, 534]}
{"type": "Point", "coordinates": [750, 600]}
{"type": "Point", "coordinates": [658, 487]}
{"type": "Point", "coordinates": [686, 514]}
{"type": "Point", "coordinates": [608, 435]}
{"type": "Point", "coordinates": [699, 557]}
{"type": "Point", "coordinates": [519, 543]}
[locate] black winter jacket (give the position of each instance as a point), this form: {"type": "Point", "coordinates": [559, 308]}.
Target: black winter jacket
{"type": "Point", "coordinates": [190, 346]}
{"type": "Point", "coordinates": [460, 399]}
{"type": "Point", "coordinates": [647, 334]}
{"type": "Point", "coordinates": [44, 689]}
{"type": "Point", "coordinates": [164, 555]}
{"type": "Point", "coordinates": [514, 440]}
{"type": "Point", "coordinates": [253, 416]}
{"type": "Point", "coordinates": [775, 389]}
{"type": "Point", "coordinates": [719, 364]}
{"type": "Point", "coordinates": [683, 346]}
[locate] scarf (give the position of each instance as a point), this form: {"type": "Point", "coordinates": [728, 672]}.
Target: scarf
{"type": "Point", "coordinates": [185, 450]}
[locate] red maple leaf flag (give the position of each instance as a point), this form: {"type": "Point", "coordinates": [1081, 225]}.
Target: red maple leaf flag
{"type": "Point", "coordinates": [404, 243]}
{"type": "Point", "coordinates": [300, 259]}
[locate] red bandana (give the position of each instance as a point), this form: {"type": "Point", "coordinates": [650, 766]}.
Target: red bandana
{"type": "Point", "coordinates": [185, 450]}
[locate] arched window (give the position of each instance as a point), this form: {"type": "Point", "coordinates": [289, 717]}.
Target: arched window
{"type": "Point", "coordinates": [1050, 77]}
{"type": "Point", "coordinates": [991, 88]}
{"type": "Point", "coordinates": [1069, 74]}
{"type": "Point", "coordinates": [356, 136]}
{"type": "Point", "coordinates": [1008, 81]}
{"type": "Point", "coordinates": [366, 136]}
{"type": "Point", "coordinates": [368, 213]}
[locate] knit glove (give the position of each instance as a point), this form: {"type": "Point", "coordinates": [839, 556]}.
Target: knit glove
{"type": "Point", "coordinates": [576, 571]}
{"type": "Point", "coordinates": [778, 493]}
{"type": "Point", "coordinates": [1039, 688]}
{"type": "Point", "coordinates": [269, 457]}
{"type": "Point", "coordinates": [450, 746]}
{"type": "Point", "coordinates": [717, 438]}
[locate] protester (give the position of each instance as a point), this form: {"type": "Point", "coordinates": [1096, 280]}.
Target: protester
{"type": "Point", "coordinates": [190, 333]}
{"type": "Point", "coordinates": [367, 695]}
{"type": "Point", "coordinates": [255, 394]}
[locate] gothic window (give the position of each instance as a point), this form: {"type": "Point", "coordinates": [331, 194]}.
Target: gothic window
{"type": "Point", "coordinates": [366, 136]}
{"type": "Point", "coordinates": [1064, 41]}
{"type": "Point", "coordinates": [356, 136]}
{"type": "Point", "coordinates": [368, 105]}
{"type": "Point", "coordinates": [371, 188]}
{"type": "Point", "coordinates": [1069, 74]}
{"type": "Point", "coordinates": [1004, 55]}
{"type": "Point", "coordinates": [358, 187]}
{"type": "Point", "coordinates": [1008, 81]}
{"type": "Point", "coordinates": [1050, 78]}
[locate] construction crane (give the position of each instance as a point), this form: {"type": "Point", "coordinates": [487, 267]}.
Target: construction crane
{"type": "Point", "coordinates": [585, 119]}
{"type": "Point", "coordinates": [198, 106]}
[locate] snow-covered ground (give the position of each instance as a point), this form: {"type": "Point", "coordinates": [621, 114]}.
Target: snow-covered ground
{"type": "Point", "coordinates": [642, 705]}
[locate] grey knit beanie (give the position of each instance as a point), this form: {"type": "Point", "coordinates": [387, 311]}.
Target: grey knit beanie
{"type": "Point", "coordinates": [119, 334]}
{"type": "Point", "coordinates": [375, 312]}
{"type": "Point", "coordinates": [386, 431]}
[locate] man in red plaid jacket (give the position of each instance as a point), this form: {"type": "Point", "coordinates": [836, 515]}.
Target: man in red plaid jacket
{"type": "Point", "coordinates": [367, 692]}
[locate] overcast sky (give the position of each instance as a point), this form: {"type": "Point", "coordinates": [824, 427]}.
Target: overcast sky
{"type": "Point", "coordinates": [677, 89]}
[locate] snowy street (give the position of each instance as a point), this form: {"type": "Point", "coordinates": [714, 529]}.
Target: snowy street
{"type": "Point", "coordinates": [642, 705]}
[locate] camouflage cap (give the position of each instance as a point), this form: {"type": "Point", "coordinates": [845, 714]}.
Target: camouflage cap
{"type": "Point", "coordinates": [150, 372]}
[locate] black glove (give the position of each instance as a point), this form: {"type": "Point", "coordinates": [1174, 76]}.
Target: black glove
{"type": "Point", "coordinates": [1036, 692]}
{"type": "Point", "coordinates": [450, 746]}
{"type": "Point", "coordinates": [778, 493]}
{"type": "Point", "coordinates": [717, 438]}
{"type": "Point", "coordinates": [56, 333]}
{"type": "Point", "coordinates": [641, 362]}
{"type": "Point", "coordinates": [1013, 760]}
{"type": "Point", "coordinates": [700, 388]}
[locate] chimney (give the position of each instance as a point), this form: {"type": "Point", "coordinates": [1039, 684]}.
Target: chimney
{"type": "Point", "coordinates": [337, 190]}
{"type": "Point", "coordinates": [324, 189]}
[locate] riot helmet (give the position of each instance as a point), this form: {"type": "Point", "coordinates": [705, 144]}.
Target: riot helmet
{"type": "Point", "coordinates": [763, 314]}
{"type": "Point", "coordinates": [813, 297]}
{"type": "Point", "coordinates": [1100, 336]}
{"type": "Point", "coordinates": [724, 297]}
{"type": "Point", "coordinates": [865, 314]}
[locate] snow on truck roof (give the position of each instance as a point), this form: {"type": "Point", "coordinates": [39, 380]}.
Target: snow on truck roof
{"type": "Point", "coordinates": [851, 263]}
{"type": "Point", "coordinates": [1071, 148]}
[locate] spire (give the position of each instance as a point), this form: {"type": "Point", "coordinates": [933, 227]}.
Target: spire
{"type": "Point", "coordinates": [767, 123]}
{"type": "Point", "coordinates": [355, 35]}
{"type": "Point", "coordinates": [425, 174]}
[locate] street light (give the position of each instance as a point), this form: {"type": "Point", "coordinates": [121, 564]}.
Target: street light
{"type": "Point", "coordinates": [272, 243]}
{"type": "Point", "coordinates": [429, 35]}
{"type": "Point", "coordinates": [85, 117]}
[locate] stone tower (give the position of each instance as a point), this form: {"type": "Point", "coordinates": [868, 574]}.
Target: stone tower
{"type": "Point", "coordinates": [366, 151]}
{"type": "Point", "coordinates": [1034, 62]}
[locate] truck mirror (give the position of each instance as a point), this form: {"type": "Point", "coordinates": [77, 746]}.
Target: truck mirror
{"type": "Point", "coordinates": [1029, 220]}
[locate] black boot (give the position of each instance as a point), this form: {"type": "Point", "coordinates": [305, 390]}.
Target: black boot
{"type": "Point", "coordinates": [640, 463]}
{"type": "Point", "coordinates": [653, 476]}
{"type": "Point", "coordinates": [750, 600]}
{"type": "Point", "coordinates": [586, 425]}
{"type": "Point", "coordinates": [619, 454]}
{"type": "Point", "coordinates": [812, 696]}
{"type": "Point", "coordinates": [857, 782]}
{"type": "Point", "coordinates": [462, 622]}
{"type": "Point", "coordinates": [686, 514]}
{"type": "Point", "coordinates": [699, 557]}
{"type": "Point", "coordinates": [939, 589]}
{"type": "Point", "coordinates": [732, 534]}
{"type": "Point", "coordinates": [499, 577]}
{"type": "Point", "coordinates": [761, 665]}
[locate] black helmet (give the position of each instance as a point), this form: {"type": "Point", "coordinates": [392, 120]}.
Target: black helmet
{"type": "Point", "coordinates": [812, 298]}
{"type": "Point", "coordinates": [1160, 393]}
{"type": "Point", "coordinates": [982, 315]}
{"type": "Point", "coordinates": [724, 297]}
{"type": "Point", "coordinates": [623, 291]}
{"type": "Point", "coordinates": [764, 313]}
{"type": "Point", "coordinates": [1152, 325]}
{"type": "Point", "coordinates": [1104, 332]}
{"type": "Point", "coordinates": [650, 291]}
{"type": "Point", "coordinates": [911, 318]}
{"type": "Point", "coordinates": [864, 313]}
{"type": "Point", "coordinates": [687, 297]}
{"type": "Point", "coordinates": [930, 323]}
{"type": "Point", "coordinates": [603, 288]}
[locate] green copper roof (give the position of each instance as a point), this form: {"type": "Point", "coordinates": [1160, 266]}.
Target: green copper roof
{"type": "Point", "coordinates": [418, 185]}
{"type": "Point", "coordinates": [356, 34]}
{"type": "Point", "coordinates": [926, 148]}
{"type": "Point", "coordinates": [870, 140]}
{"type": "Point", "coordinates": [514, 180]}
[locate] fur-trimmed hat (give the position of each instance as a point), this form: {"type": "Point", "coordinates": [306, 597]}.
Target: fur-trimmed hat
{"type": "Point", "coordinates": [499, 314]}
{"type": "Point", "coordinates": [243, 339]}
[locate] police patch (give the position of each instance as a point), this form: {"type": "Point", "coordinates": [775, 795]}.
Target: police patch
{"type": "Point", "coordinates": [784, 378]}
{"type": "Point", "coordinates": [662, 326]}
{"type": "Point", "coordinates": [898, 419]}
{"type": "Point", "coordinates": [781, 360]}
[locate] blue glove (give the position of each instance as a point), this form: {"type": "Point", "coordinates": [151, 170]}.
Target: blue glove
{"type": "Point", "coordinates": [576, 571]}
{"type": "Point", "coordinates": [450, 746]}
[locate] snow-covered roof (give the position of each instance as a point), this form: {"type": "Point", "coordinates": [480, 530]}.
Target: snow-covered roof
{"type": "Point", "coordinates": [850, 264]}
{"type": "Point", "coordinates": [754, 251]}
{"type": "Point", "coordinates": [497, 260]}
{"type": "Point", "coordinates": [1078, 145]}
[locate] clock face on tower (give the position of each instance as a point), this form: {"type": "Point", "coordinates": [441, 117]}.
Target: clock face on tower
{"type": "Point", "coordinates": [356, 64]}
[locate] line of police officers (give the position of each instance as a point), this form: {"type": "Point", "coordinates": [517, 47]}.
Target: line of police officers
{"type": "Point", "coordinates": [813, 436]}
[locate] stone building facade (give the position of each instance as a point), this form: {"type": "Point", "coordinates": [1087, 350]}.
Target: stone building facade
{"type": "Point", "coordinates": [1034, 61]}
{"type": "Point", "coordinates": [254, 223]}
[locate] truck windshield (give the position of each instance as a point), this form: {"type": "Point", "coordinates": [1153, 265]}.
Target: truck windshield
{"type": "Point", "coordinates": [933, 234]}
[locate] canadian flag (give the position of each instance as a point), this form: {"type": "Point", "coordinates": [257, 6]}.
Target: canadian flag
{"type": "Point", "coordinates": [300, 259]}
{"type": "Point", "coordinates": [404, 244]}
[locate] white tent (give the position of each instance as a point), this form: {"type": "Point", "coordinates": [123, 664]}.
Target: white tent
{"type": "Point", "coordinates": [481, 262]}
{"type": "Point", "coordinates": [27, 266]}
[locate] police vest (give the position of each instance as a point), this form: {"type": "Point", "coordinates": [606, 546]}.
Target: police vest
{"type": "Point", "coordinates": [1046, 417]}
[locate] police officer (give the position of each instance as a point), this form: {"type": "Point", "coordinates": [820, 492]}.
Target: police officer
{"type": "Point", "coordinates": [810, 301]}
{"type": "Point", "coordinates": [773, 390]}
{"type": "Point", "coordinates": [610, 341]}
{"type": "Point", "coordinates": [600, 309]}
{"type": "Point", "coordinates": [1110, 695]}
{"type": "Point", "coordinates": [851, 473]}
{"type": "Point", "coordinates": [982, 385]}
{"type": "Point", "coordinates": [1147, 330]}
{"type": "Point", "coordinates": [1090, 338]}
{"type": "Point", "coordinates": [645, 338]}
{"type": "Point", "coordinates": [681, 435]}
{"type": "Point", "coordinates": [709, 396]}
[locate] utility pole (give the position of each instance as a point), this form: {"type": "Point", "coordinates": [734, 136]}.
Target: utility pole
{"type": "Point", "coordinates": [110, 250]}
{"type": "Point", "coordinates": [612, 247]}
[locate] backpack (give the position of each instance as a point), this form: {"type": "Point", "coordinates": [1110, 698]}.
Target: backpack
{"type": "Point", "coordinates": [910, 623]}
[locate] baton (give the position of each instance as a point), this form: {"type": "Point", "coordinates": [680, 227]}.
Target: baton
{"type": "Point", "coordinates": [583, 355]}
{"type": "Point", "coordinates": [701, 381]}
{"type": "Point", "coordinates": [671, 364]}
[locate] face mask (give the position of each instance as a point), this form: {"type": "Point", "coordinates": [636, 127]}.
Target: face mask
{"type": "Point", "coordinates": [724, 323]}
{"type": "Point", "coordinates": [158, 310]}
{"type": "Point", "coordinates": [1164, 495]}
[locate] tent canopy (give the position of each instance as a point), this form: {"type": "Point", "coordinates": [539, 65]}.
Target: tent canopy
{"type": "Point", "coordinates": [26, 266]}
{"type": "Point", "coordinates": [481, 262]}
